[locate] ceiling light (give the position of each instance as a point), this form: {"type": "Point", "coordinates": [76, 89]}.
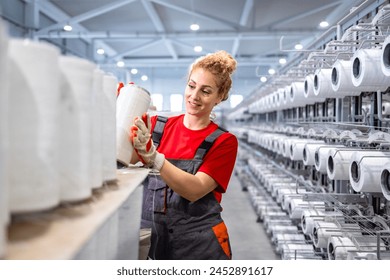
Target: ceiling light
{"type": "Point", "coordinates": [298, 46]}
{"type": "Point", "coordinates": [282, 60]}
{"type": "Point", "coordinates": [144, 78]}
{"type": "Point", "coordinates": [194, 27]}
{"type": "Point", "coordinates": [67, 27]}
{"type": "Point", "coordinates": [120, 64]}
{"type": "Point", "coordinates": [324, 24]}
{"type": "Point", "coordinates": [263, 79]}
{"type": "Point", "coordinates": [198, 48]}
{"type": "Point", "coordinates": [100, 51]}
{"type": "Point", "coordinates": [134, 71]}
{"type": "Point", "coordinates": [271, 71]}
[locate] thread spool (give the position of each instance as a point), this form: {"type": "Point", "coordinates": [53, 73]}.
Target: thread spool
{"type": "Point", "coordinates": [366, 70]}
{"type": "Point", "coordinates": [75, 132]}
{"type": "Point", "coordinates": [309, 90]}
{"type": "Point", "coordinates": [342, 80]}
{"type": "Point", "coordinates": [298, 205]}
{"type": "Point", "coordinates": [308, 218]}
{"type": "Point", "coordinates": [286, 97]}
{"type": "Point", "coordinates": [297, 94]}
{"type": "Point", "coordinates": [385, 57]}
{"type": "Point", "coordinates": [132, 101]}
{"type": "Point", "coordinates": [296, 149]}
{"type": "Point", "coordinates": [33, 126]}
{"type": "Point", "coordinates": [96, 143]}
{"type": "Point", "coordinates": [309, 153]}
{"type": "Point", "coordinates": [321, 157]}
{"type": "Point", "coordinates": [385, 108]}
{"type": "Point", "coordinates": [385, 183]}
{"type": "Point", "coordinates": [322, 231]}
{"type": "Point", "coordinates": [4, 210]}
{"type": "Point", "coordinates": [108, 131]}
{"type": "Point", "coordinates": [338, 163]}
{"type": "Point", "coordinates": [322, 83]}
{"type": "Point", "coordinates": [293, 251]}
{"type": "Point", "coordinates": [339, 246]}
{"type": "Point", "coordinates": [365, 170]}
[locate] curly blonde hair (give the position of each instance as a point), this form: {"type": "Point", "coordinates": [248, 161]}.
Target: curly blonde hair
{"type": "Point", "coordinates": [222, 65]}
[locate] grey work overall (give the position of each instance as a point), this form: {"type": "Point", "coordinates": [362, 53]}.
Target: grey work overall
{"type": "Point", "coordinates": [182, 229]}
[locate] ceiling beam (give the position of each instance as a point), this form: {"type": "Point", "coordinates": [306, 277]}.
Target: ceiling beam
{"type": "Point", "coordinates": [85, 16]}
{"type": "Point", "coordinates": [134, 50]}
{"type": "Point", "coordinates": [243, 21]}
{"type": "Point", "coordinates": [209, 35]}
{"type": "Point", "coordinates": [197, 14]}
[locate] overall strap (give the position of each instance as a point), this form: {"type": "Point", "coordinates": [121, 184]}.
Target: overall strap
{"type": "Point", "coordinates": [159, 130]}
{"type": "Point", "coordinates": [208, 142]}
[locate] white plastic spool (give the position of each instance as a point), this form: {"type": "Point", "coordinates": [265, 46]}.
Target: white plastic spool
{"type": "Point", "coordinates": [338, 163]}
{"type": "Point", "coordinates": [367, 74]}
{"type": "Point", "coordinates": [76, 131]}
{"type": "Point", "coordinates": [110, 84]}
{"type": "Point", "coordinates": [4, 209]}
{"type": "Point", "coordinates": [385, 57]}
{"type": "Point", "coordinates": [322, 83]}
{"type": "Point", "coordinates": [365, 170]}
{"type": "Point", "coordinates": [297, 94]}
{"type": "Point", "coordinates": [33, 125]}
{"type": "Point", "coordinates": [321, 157]}
{"type": "Point", "coordinates": [342, 80]}
{"type": "Point", "coordinates": [296, 149]}
{"type": "Point", "coordinates": [385, 182]}
{"type": "Point", "coordinates": [308, 90]}
{"type": "Point", "coordinates": [132, 101]}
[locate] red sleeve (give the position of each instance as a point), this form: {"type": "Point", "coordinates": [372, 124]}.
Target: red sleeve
{"type": "Point", "coordinates": [220, 160]}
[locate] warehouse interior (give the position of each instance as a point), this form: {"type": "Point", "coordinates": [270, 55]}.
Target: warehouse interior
{"type": "Point", "coordinates": [309, 104]}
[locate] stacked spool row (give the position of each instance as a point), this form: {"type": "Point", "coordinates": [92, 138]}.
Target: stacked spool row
{"type": "Point", "coordinates": [368, 70]}
{"type": "Point", "coordinates": [58, 128]}
{"type": "Point", "coordinates": [367, 170]}
{"type": "Point", "coordinates": [303, 229]}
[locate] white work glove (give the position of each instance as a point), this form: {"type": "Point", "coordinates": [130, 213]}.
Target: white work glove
{"type": "Point", "coordinates": [141, 139]}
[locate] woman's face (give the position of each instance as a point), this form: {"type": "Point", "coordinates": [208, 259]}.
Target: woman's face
{"type": "Point", "coordinates": [201, 94]}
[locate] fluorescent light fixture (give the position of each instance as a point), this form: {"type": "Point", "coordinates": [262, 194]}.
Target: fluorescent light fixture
{"type": "Point", "coordinates": [198, 48]}
{"type": "Point", "coordinates": [271, 71]}
{"type": "Point", "coordinates": [194, 27]}
{"type": "Point", "coordinates": [324, 24]}
{"type": "Point", "coordinates": [282, 61]}
{"type": "Point", "coordinates": [298, 46]}
{"type": "Point", "coordinates": [67, 27]}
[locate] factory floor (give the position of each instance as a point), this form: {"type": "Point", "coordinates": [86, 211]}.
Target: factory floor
{"type": "Point", "coordinates": [248, 238]}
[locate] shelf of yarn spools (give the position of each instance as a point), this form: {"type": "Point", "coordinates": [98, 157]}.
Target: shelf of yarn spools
{"type": "Point", "coordinates": [105, 226]}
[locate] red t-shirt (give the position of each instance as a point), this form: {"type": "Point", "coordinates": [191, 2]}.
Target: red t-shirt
{"type": "Point", "coordinates": [179, 142]}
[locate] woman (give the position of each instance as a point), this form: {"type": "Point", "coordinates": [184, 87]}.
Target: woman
{"type": "Point", "coordinates": [195, 160]}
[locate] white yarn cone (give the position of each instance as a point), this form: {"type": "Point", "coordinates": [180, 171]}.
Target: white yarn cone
{"type": "Point", "coordinates": [365, 170]}
{"type": "Point", "coordinates": [33, 123]}
{"type": "Point", "coordinates": [385, 57]}
{"type": "Point", "coordinates": [366, 70]}
{"type": "Point", "coordinates": [75, 132]}
{"type": "Point", "coordinates": [96, 125]}
{"type": "Point", "coordinates": [132, 101]}
{"type": "Point", "coordinates": [4, 209]}
{"type": "Point", "coordinates": [338, 163]}
{"type": "Point", "coordinates": [342, 79]}
{"type": "Point", "coordinates": [110, 84]}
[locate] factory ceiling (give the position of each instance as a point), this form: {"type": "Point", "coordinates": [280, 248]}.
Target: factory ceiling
{"type": "Point", "coordinates": [156, 34]}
